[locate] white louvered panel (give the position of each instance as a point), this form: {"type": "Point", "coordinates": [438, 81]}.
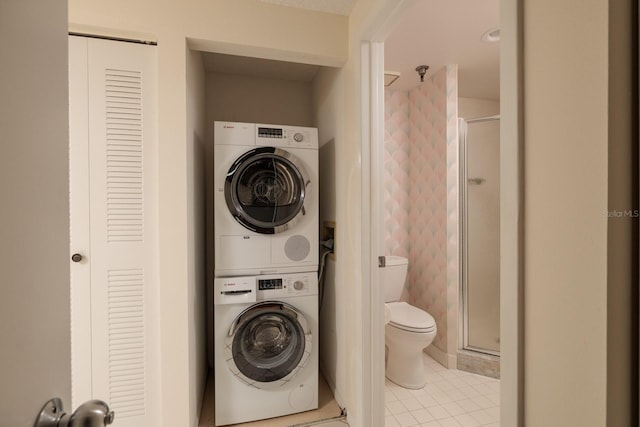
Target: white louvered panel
{"type": "Point", "coordinates": [125, 213]}
{"type": "Point", "coordinates": [126, 346]}
{"type": "Point", "coordinates": [122, 155]}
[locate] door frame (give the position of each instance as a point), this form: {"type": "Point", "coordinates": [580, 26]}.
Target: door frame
{"type": "Point", "coordinates": [511, 209]}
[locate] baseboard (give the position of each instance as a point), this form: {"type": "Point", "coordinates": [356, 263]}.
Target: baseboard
{"type": "Point", "coordinates": [447, 360]}
{"type": "Point", "coordinates": [452, 360]}
{"type": "Point", "coordinates": [332, 385]}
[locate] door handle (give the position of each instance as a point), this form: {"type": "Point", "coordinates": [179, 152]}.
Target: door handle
{"type": "Point", "coordinates": [76, 257]}
{"type": "Point", "coordinates": [94, 413]}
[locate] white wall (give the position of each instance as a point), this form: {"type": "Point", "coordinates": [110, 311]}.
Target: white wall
{"type": "Point", "coordinates": [196, 196]}
{"type": "Point", "coordinates": [565, 167]}
{"type": "Point", "coordinates": [366, 16]}
{"type": "Point", "coordinates": [471, 108]}
{"type": "Point", "coordinates": [34, 212]}
{"type": "Point", "coordinates": [328, 110]}
{"type": "Point", "coordinates": [243, 27]}
{"type": "Point", "coordinates": [250, 99]}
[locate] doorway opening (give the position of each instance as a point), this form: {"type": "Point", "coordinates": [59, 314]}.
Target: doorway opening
{"type": "Point", "coordinates": [447, 354]}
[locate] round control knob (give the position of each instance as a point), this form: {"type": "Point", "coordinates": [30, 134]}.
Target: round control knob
{"type": "Point", "coordinates": [298, 137]}
{"type": "Point", "coordinates": [298, 285]}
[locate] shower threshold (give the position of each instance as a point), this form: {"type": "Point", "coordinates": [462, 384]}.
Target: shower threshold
{"type": "Point", "coordinates": [479, 362]}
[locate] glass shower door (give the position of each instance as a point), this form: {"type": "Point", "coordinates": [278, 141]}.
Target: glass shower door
{"type": "Point", "coordinates": [481, 234]}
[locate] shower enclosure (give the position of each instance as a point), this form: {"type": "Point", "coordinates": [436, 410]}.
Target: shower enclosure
{"type": "Point", "coordinates": [480, 240]}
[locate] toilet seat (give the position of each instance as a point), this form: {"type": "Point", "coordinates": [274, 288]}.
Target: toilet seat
{"type": "Point", "coordinates": [409, 318]}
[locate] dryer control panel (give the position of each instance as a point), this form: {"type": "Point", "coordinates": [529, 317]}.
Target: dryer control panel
{"type": "Point", "coordinates": [286, 136]}
{"type": "Point", "coordinates": [256, 134]}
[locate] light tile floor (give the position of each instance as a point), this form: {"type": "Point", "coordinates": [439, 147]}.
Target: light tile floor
{"type": "Point", "coordinates": [327, 409]}
{"type": "Point", "coordinates": [450, 398]}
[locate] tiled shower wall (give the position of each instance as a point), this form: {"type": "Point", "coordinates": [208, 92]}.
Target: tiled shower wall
{"type": "Point", "coordinates": [396, 172]}
{"type": "Point", "coordinates": [421, 196]}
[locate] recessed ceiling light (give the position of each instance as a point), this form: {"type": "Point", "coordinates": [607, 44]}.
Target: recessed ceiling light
{"type": "Point", "coordinates": [491, 36]}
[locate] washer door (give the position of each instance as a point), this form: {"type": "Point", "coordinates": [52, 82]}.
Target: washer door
{"type": "Point", "coordinates": [267, 344]}
{"type": "Point", "coordinates": [265, 190]}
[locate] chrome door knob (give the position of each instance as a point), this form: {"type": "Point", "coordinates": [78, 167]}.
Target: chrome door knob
{"type": "Point", "coordinates": [93, 413]}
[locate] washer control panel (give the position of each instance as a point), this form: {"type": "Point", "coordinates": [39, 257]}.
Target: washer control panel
{"type": "Point", "coordinates": [286, 285]}
{"type": "Point", "coordinates": [270, 284]}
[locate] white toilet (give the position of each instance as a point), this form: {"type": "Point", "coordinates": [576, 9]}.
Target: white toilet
{"type": "Point", "coordinates": [408, 331]}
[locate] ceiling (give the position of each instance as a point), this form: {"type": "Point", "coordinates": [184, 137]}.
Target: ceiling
{"type": "Point", "coordinates": [340, 7]}
{"type": "Point", "coordinates": [440, 32]}
{"type": "Point", "coordinates": [432, 32]}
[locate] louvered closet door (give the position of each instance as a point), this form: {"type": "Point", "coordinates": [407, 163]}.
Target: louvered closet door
{"type": "Point", "coordinates": [122, 167]}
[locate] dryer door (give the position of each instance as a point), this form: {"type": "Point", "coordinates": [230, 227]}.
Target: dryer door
{"type": "Point", "coordinates": [267, 344]}
{"type": "Point", "coordinates": [265, 190]}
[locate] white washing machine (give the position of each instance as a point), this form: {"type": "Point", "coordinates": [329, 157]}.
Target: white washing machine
{"type": "Point", "coordinates": [266, 346]}
{"type": "Point", "coordinates": [266, 215]}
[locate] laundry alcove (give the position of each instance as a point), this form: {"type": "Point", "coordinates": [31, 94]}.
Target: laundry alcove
{"type": "Point", "coordinates": [224, 87]}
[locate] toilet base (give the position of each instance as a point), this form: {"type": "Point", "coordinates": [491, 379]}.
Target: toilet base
{"type": "Point", "coordinates": [405, 362]}
{"type": "Point", "coordinates": [406, 370]}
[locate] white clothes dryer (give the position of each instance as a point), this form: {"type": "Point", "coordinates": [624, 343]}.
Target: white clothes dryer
{"type": "Point", "coordinates": [266, 346]}
{"type": "Point", "coordinates": [266, 217]}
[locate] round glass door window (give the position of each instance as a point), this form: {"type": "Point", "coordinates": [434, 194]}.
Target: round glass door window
{"type": "Point", "coordinates": [267, 344]}
{"type": "Point", "coordinates": [265, 190]}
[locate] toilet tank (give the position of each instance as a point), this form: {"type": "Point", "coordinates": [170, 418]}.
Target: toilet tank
{"type": "Point", "coordinates": [392, 277]}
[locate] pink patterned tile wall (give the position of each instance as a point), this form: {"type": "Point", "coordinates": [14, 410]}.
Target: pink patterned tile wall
{"type": "Point", "coordinates": [396, 171]}
{"type": "Point", "coordinates": [453, 267]}
{"type": "Point", "coordinates": [420, 212]}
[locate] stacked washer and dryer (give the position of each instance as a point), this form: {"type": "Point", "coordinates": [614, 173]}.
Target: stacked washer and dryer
{"type": "Point", "coordinates": [266, 261]}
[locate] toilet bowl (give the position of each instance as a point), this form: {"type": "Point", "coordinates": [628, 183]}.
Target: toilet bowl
{"type": "Point", "coordinates": [408, 331]}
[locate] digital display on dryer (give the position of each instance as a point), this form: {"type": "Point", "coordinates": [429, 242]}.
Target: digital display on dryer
{"type": "Point", "coordinates": [268, 284]}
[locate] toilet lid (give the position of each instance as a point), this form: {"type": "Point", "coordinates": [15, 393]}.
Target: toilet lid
{"type": "Point", "coordinates": [408, 317]}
